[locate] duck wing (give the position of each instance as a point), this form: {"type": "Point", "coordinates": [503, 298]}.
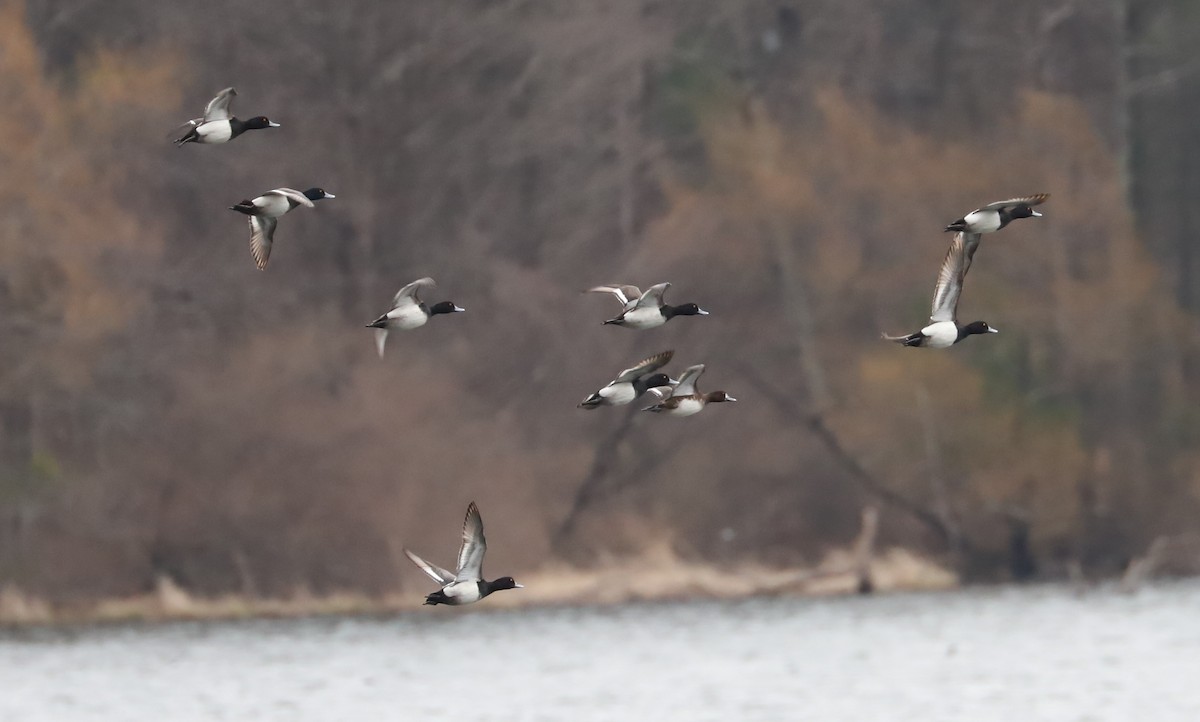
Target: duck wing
{"type": "Point", "coordinates": [291, 194]}
{"type": "Point", "coordinates": [436, 573]}
{"type": "Point", "coordinates": [218, 107]}
{"type": "Point", "coordinates": [470, 554]}
{"type": "Point", "coordinates": [645, 366]}
{"type": "Point", "coordinates": [262, 235]}
{"type": "Point", "coordinates": [652, 298]}
{"type": "Point", "coordinates": [687, 382]}
{"type": "Point", "coordinates": [1033, 200]}
{"type": "Point", "coordinates": [408, 294]}
{"type": "Point", "coordinates": [661, 393]}
{"type": "Point", "coordinates": [626, 294]}
{"type": "Point", "coordinates": [950, 277]}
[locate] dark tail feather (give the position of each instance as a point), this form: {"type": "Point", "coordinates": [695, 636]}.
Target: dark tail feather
{"type": "Point", "coordinates": [380, 322]}
{"type": "Point", "coordinates": [245, 206]}
{"type": "Point", "coordinates": [959, 225]}
{"type": "Point", "coordinates": [591, 402]}
{"type": "Point", "coordinates": [912, 339]}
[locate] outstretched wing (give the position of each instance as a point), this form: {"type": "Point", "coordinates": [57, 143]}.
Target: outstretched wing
{"type": "Point", "coordinates": [218, 107]}
{"type": "Point", "coordinates": [626, 294]}
{"type": "Point", "coordinates": [950, 277]}
{"type": "Point", "coordinates": [1033, 200]}
{"type": "Point", "coordinates": [687, 382]}
{"type": "Point", "coordinates": [470, 554]}
{"type": "Point", "coordinates": [408, 294]}
{"type": "Point", "coordinates": [262, 235]}
{"type": "Point", "coordinates": [436, 573]}
{"type": "Point", "coordinates": [652, 298]}
{"type": "Point", "coordinates": [645, 366]}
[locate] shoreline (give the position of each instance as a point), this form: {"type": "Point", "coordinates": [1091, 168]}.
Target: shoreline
{"type": "Point", "coordinates": [656, 575]}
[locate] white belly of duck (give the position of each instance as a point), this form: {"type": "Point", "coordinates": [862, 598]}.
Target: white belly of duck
{"type": "Point", "coordinates": [407, 318]}
{"type": "Point", "coordinates": [942, 334]}
{"type": "Point", "coordinates": [644, 318]}
{"type": "Point", "coordinates": [982, 221]}
{"type": "Point", "coordinates": [272, 205]}
{"type": "Point", "coordinates": [217, 131]}
{"type": "Point", "coordinates": [463, 592]}
{"type": "Point", "coordinates": [687, 407]}
{"type": "Point", "coordinates": [618, 394]}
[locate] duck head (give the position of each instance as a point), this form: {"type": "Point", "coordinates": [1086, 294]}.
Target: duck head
{"type": "Point", "coordinates": [504, 583]}
{"type": "Point", "coordinates": [444, 307]}
{"type": "Point", "coordinates": [259, 123]}
{"type": "Point", "coordinates": [687, 309]}
{"type": "Point", "coordinates": [317, 194]}
{"type": "Point", "coordinates": [976, 327]}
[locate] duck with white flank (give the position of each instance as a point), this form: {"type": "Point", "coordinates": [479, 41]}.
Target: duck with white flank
{"type": "Point", "coordinates": [945, 331]}
{"type": "Point", "coordinates": [645, 310]}
{"type": "Point", "coordinates": [995, 216]}
{"type": "Point", "coordinates": [685, 399]}
{"type": "Point", "coordinates": [466, 585]}
{"type": "Point", "coordinates": [265, 211]}
{"type": "Point", "coordinates": [217, 125]}
{"type": "Point", "coordinates": [631, 383]}
{"type": "Point", "coordinates": [408, 312]}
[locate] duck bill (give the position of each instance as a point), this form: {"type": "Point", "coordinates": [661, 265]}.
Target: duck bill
{"type": "Point", "coordinates": [518, 586]}
{"type": "Point", "coordinates": [458, 309]}
{"type": "Point", "coordinates": [993, 329]}
{"type": "Point", "coordinates": [329, 195]}
{"type": "Point", "coordinates": [729, 398]}
{"type": "Point", "coordinates": [701, 312]}
{"type": "Point", "coordinates": [1035, 214]}
{"type": "Point", "coordinates": [272, 124]}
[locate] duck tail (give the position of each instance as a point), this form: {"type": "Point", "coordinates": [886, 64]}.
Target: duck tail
{"type": "Point", "coordinates": [246, 206]}
{"type": "Point", "coordinates": [959, 225]}
{"type": "Point", "coordinates": [591, 402]}
{"type": "Point", "coordinates": [380, 322]}
{"type": "Point", "coordinates": [912, 339]}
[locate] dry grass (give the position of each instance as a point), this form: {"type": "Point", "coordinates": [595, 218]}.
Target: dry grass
{"type": "Point", "coordinates": [658, 574]}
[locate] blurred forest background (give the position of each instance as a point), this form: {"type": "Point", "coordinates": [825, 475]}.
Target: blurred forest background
{"type": "Point", "coordinates": [167, 409]}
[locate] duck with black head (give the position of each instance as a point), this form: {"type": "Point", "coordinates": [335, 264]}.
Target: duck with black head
{"type": "Point", "coordinates": [945, 331]}
{"type": "Point", "coordinates": [408, 312]}
{"type": "Point", "coordinates": [265, 212]}
{"type": "Point", "coordinates": [632, 383]}
{"type": "Point", "coordinates": [645, 310]}
{"type": "Point", "coordinates": [217, 125]}
{"type": "Point", "coordinates": [466, 584]}
{"type": "Point", "coordinates": [995, 216]}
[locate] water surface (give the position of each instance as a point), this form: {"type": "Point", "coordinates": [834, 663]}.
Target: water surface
{"type": "Point", "coordinates": [981, 655]}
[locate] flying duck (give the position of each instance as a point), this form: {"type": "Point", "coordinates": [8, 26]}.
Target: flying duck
{"type": "Point", "coordinates": [408, 312]}
{"type": "Point", "coordinates": [265, 211]}
{"type": "Point", "coordinates": [684, 399]}
{"type": "Point", "coordinates": [467, 584]}
{"type": "Point", "coordinates": [945, 331]}
{"type": "Point", "coordinates": [645, 310]}
{"type": "Point", "coordinates": [995, 216]}
{"type": "Point", "coordinates": [631, 383]}
{"type": "Point", "coordinates": [217, 125]}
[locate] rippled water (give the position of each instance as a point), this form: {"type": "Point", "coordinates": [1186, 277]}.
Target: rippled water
{"type": "Point", "coordinates": [1011, 654]}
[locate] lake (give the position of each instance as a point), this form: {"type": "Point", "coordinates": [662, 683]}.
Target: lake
{"type": "Point", "coordinates": [1011, 654]}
